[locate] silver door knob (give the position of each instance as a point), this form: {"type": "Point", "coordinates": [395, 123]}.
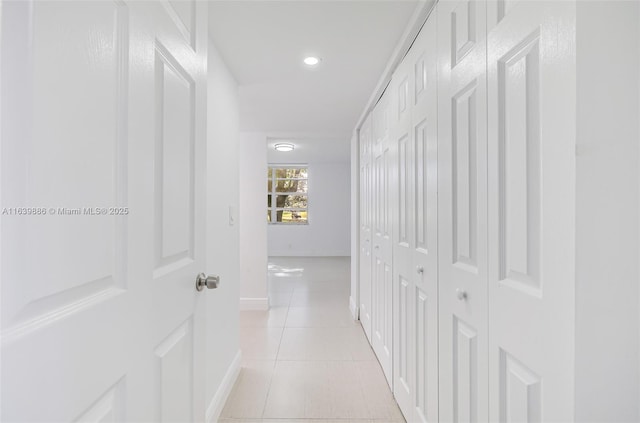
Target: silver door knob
{"type": "Point", "coordinates": [461, 294]}
{"type": "Point", "coordinates": [419, 269]}
{"type": "Point", "coordinates": [210, 282]}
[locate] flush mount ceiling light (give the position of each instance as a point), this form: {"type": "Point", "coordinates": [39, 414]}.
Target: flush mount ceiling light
{"type": "Point", "coordinates": [311, 61]}
{"type": "Point", "coordinates": [284, 146]}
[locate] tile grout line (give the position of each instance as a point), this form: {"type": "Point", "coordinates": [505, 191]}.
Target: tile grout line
{"type": "Point", "coordinates": [275, 362]}
{"type": "Point", "coordinates": [355, 353]}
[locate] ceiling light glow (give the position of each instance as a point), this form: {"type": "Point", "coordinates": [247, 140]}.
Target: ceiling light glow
{"type": "Point", "coordinates": [284, 146]}
{"type": "Point", "coordinates": [311, 61]}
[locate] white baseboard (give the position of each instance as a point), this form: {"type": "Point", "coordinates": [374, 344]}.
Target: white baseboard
{"type": "Point", "coordinates": [254, 304]}
{"type": "Point", "coordinates": [217, 402]}
{"type": "Point", "coordinates": [353, 307]}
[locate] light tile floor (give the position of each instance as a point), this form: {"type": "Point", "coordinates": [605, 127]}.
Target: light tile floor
{"type": "Point", "coordinates": [306, 359]}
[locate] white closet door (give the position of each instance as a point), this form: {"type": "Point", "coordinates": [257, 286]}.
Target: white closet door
{"type": "Point", "coordinates": [365, 227]}
{"type": "Point", "coordinates": [424, 130]}
{"type": "Point", "coordinates": [382, 244]}
{"type": "Point", "coordinates": [531, 92]}
{"type": "Point", "coordinates": [462, 201]}
{"type": "Point", "coordinates": [415, 266]}
{"type": "Point", "coordinates": [404, 273]}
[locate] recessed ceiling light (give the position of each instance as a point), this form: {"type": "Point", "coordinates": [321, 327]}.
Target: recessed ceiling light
{"type": "Point", "coordinates": [284, 146]}
{"type": "Point", "coordinates": [311, 61]}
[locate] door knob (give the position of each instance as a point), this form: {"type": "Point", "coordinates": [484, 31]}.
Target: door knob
{"type": "Point", "coordinates": [419, 269]}
{"type": "Point", "coordinates": [461, 294]}
{"type": "Point", "coordinates": [210, 282]}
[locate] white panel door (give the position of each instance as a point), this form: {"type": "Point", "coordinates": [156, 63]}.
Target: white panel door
{"type": "Point", "coordinates": [424, 131]}
{"type": "Point", "coordinates": [381, 284]}
{"type": "Point", "coordinates": [462, 213]}
{"type": "Point", "coordinates": [531, 93]}
{"type": "Point", "coordinates": [404, 272]}
{"type": "Point", "coordinates": [100, 317]}
{"type": "Point", "coordinates": [415, 265]}
{"type": "Point", "coordinates": [365, 261]}
{"type": "Point", "coordinates": [177, 101]}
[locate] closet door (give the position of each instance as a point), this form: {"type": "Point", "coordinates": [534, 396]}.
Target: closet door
{"type": "Point", "coordinates": [365, 227]}
{"type": "Point", "coordinates": [415, 266]}
{"type": "Point", "coordinates": [462, 216]}
{"type": "Point", "coordinates": [404, 272]}
{"type": "Point", "coordinates": [424, 133]}
{"type": "Point", "coordinates": [382, 251]}
{"type": "Point", "coordinates": [531, 92]}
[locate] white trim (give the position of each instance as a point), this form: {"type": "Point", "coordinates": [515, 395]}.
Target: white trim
{"type": "Point", "coordinates": [355, 223]}
{"type": "Point", "coordinates": [220, 398]}
{"type": "Point", "coordinates": [354, 308]}
{"type": "Point", "coordinates": [254, 304]}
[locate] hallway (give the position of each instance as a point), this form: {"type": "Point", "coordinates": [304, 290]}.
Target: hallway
{"type": "Point", "coordinates": [306, 358]}
{"type": "Point", "coordinates": [462, 176]}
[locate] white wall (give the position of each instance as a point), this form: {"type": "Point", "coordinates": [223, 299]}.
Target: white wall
{"type": "Point", "coordinates": [222, 343]}
{"type": "Point", "coordinates": [253, 220]}
{"type": "Point", "coordinates": [328, 231]}
{"type": "Point", "coordinates": [607, 197]}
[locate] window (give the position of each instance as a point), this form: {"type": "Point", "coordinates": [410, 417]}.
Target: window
{"type": "Point", "coordinates": [287, 195]}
